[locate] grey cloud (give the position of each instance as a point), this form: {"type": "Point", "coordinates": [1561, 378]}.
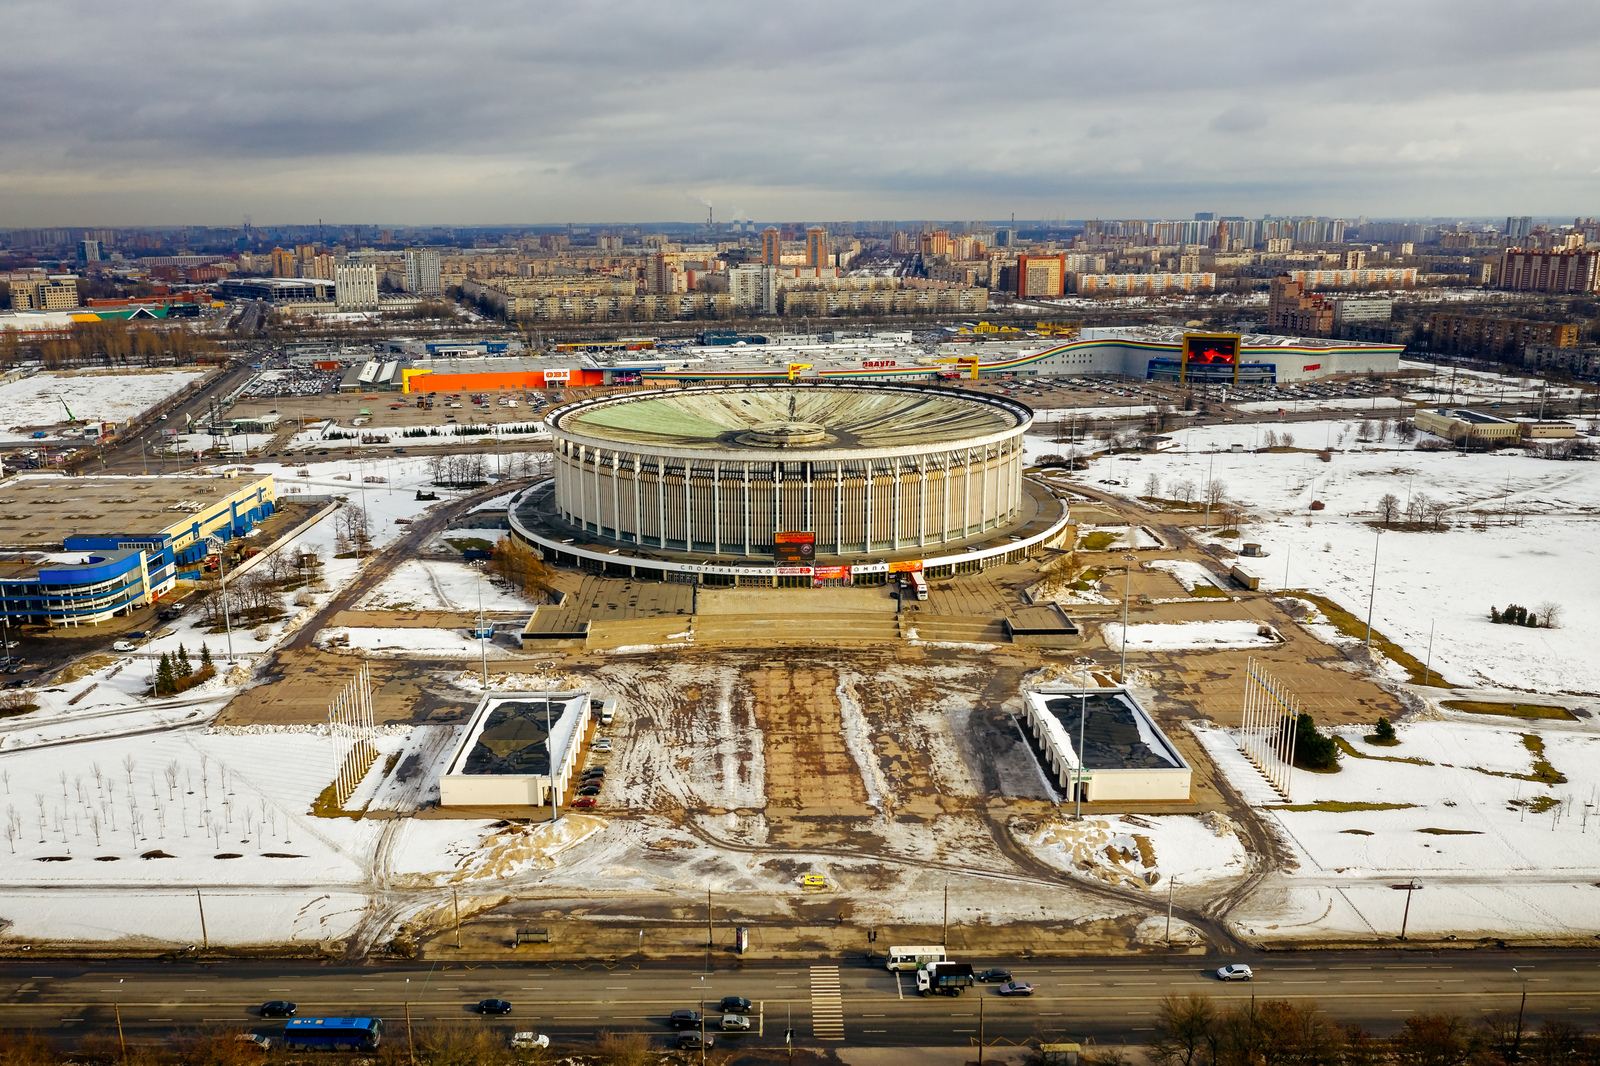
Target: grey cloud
{"type": "Point", "coordinates": [608, 110]}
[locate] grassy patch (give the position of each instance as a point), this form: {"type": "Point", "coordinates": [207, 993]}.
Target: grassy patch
{"type": "Point", "coordinates": [1511, 710]}
{"type": "Point", "coordinates": [463, 543]}
{"type": "Point", "coordinates": [1377, 742]}
{"type": "Point", "coordinates": [1098, 541]}
{"type": "Point", "coordinates": [1543, 773]}
{"type": "Point", "coordinates": [1341, 806]}
{"type": "Point", "coordinates": [1538, 804]}
{"type": "Point", "coordinates": [83, 668]}
{"type": "Point", "coordinates": [1228, 534]}
{"type": "Point", "coordinates": [1346, 747]}
{"type": "Point", "coordinates": [1357, 832]}
{"type": "Point", "coordinates": [1351, 626]}
{"type": "Point", "coordinates": [1208, 592]}
{"type": "Point", "coordinates": [1451, 832]}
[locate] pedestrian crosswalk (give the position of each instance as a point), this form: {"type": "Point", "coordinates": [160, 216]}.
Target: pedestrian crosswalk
{"type": "Point", "coordinates": [827, 1007]}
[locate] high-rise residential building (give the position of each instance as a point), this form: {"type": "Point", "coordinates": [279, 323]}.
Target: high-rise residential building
{"type": "Point", "coordinates": [1492, 336]}
{"type": "Point", "coordinates": [1519, 227]}
{"type": "Point", "coordinates": [663, 275]}
{"type": "Point", "coordinates": [1567, 271]}
{"type": "Point", "coordinates": [754, 288]}
{"type": "Point", "coordinates": [88, 251]}
{"type": "Point", "coordinates": [422, 271]}
{"type": "Point", "coordinates": [1041, 275]}
{"type": "Point", "coordinates": [355, 287]}
{"type": "Point", "coordinates": [936, 243]}
{"type": "Point", "coordinates": [1293, 310]}
{"type": "Point", "coordinates": [771, 246]}
{"type": "Point", "coordinates": [817, 253]}
{"type": "Point", "coordinates": [283, 263]}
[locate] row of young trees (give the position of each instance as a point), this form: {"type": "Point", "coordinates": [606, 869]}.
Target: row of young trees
{"type": "Point", "coordinates": [1195, 1031]}
{"type": "Point", "coordinates": [1418, 509]}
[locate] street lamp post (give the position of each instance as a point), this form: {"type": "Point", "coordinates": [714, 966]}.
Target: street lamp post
{"type": "Point", "coordinates": [1372, 593]}
{"type": "Point", "coordinates": [1127, 585]}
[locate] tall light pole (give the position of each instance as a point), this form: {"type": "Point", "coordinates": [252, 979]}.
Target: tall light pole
{"type": "Point", "coordinates": [1127, 585]}
{"type": "Point", "coordinates": [1082, 663]}
{"type": "Point", "coordinates": [222, 569]}
{"type": "Point", "coordinates": [1372, 593]}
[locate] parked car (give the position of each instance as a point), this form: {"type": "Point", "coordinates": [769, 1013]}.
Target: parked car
{"type": "Point", "coordinates": [995, 974]}
{"type": "Point", "coordinates": [529, 1041]}
{"type": "Point", "coordinates": [493, 1006]}
{"type": "Point", "coordinates": [603, 744]}
{"type": "Point", "coordinates": [1236, 971]}
{"type": "Point", "coordinates": [278, 1008]}
{"type": "Point", "coordinates": [584, 801]}
{"type": "Point", "coordinates": [589, 790]}
{"type": "Point", "coordinates": [683, 1019]}
{"type": "Point", "coordinates": [123, 645]}
{"type": "Point", "coordinates": [138, 635]}
{"type": "Point", "coordinates": [256, 1040]}
{"type": "Point", "coordinates": [735, 1023]}
{"type": "Point", "coordinates": [734, 1005]}
{"type": "Point", "coordinates": [692, 1041]}
{"type": "Point", "coordinates": [1015, 988]}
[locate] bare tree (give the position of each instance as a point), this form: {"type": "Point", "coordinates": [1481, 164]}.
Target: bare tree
{"type": "Point", "coordinates": [1550, 614]}
{"type": "Point", "coordinates": [1184, 491]}
{"type": "Point", "coordinates": [1437, 509]}
{"type": "Point", "coordinates": [1287, 439]}
{"type": "Point", "coordinates": [1152, 486]}
{"type": "Point", "coordinates": [1388, 507]}
{"type": "Point", "coordinates": [1216, 492]}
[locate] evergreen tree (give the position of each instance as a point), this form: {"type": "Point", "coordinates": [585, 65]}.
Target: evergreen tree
{"type": "Point", "coordinates": [1385, 731]}
{"type": "Point", "coordinates": [164, 675]}
{"type": "Point", "coordinates": [180, 665]}
{"type": "Point", "coordinates": [205, 655]}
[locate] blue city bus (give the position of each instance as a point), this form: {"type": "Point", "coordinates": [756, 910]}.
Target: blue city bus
{"type": "Point", "coordinates": [357, 1034]}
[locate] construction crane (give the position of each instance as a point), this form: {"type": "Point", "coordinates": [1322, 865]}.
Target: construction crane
{"type": "Point", "coordinates": [72, 419]}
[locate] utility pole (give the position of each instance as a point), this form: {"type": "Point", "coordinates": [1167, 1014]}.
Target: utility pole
{"type": "Point", "coordinates": [227, 621]}
{"type": "Point", "coordinates": [1427, 666]}
{"type": "Point", "coordinates": [120, 1039]}
{"type": "Point", "coordinates": [1372, 594]}
{"type": "Point", "coordinates": [1127, 586]}
{"type": "Point", "coordinates": [944, 937]}
{"type": "Point", "coordinates": [981, 1002]}
{"type": "Point", "coordinates": [1171, 884]}
{"type": "Point", "coordinates": [711, 936]}
{"type": "Point", "coordinates": [205, 940]}
{"type": "Point", "coordinates": [411, 1043]}
{"type": "Point", "coordinates": [455, 897]}
{"type": "Point", "coordinates": [1083, 712]}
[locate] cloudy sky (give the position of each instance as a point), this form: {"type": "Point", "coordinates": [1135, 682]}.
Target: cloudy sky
{"type": "Point", "coordinates": [616, 110]}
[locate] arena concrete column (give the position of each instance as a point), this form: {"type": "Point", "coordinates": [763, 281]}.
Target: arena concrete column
{"type": "Point", "coordinates": [616, 496]}
{"type": "Point", "coordinates": [638, 503]}
{"type": "Point", "coordinates": [983, 492]}
{"type": "Point", "coordinates": [966, 495]}
{"type": "Point", "coordinates": [894, 522]}
{"type": "Point", "coordinates": [777, 496]}
{"type": "Point", "coordinates": [716, 505]}
{"type": "Point", "coordinates": [838, 507]}
{"type": "Point", "coordinates": [866, 537]}
{"type": "Point", "coordinates": [922, 502]}
{"type": "Point", "coordinates": [946, 461]}
{"type": "Point", "coordinates": [688, 506]}
{"type": "Point", "coordinates": [661, 501]}
{"type": "Point", "coordinates": [745, 511]}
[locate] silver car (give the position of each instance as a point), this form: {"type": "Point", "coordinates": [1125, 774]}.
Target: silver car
{"type": "Point", "coordinates": [1237, 971]}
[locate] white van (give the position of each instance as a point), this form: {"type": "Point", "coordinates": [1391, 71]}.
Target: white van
{"type": "Point", "coordinates": [608, 711]}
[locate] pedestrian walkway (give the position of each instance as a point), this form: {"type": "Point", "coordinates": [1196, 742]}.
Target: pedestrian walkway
{"type": "Point", "coordinates": [827, 1007]}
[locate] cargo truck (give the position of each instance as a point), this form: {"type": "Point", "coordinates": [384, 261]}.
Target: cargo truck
{"type": "Point", "coordinates": [945, 978]}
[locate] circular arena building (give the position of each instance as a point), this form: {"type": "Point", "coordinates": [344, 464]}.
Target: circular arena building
{"type": "Point", "coordinates": [721, 470]}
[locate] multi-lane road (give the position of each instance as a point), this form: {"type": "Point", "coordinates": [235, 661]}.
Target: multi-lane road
{"type": "Point", "coordinates": [828, 1002]}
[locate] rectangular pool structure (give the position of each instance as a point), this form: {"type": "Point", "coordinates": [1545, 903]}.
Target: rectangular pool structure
{"type": "Point", "coordinates": [1127, 756]}
{"type": "Point", "coordinates": [505, 758]}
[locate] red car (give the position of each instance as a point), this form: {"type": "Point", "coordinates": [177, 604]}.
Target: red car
{"type": "Point", "coordinates": [584, 801]}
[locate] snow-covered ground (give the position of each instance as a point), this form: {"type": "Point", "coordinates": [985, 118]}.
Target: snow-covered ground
{"type": "Point", "coordinates": [423, 585]}
{"type": "Point", "coordinates": [1140, 851]}
{"type": "Point", "coordinates": [443, 433]}
{"type": "Point", "coordinates": [1520, 529]}
{"type": "Point", "coordinates": [1199, 636]}
{"type": "Point", "coordinates": [92, 396]}
{"type": "Point", "coordinates": [1190, 575]}
{"type": "Point", "coordinates": [1496, 853]}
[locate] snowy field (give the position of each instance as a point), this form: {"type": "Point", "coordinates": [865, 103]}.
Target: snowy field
{"type": "Point", "coordinates": [36, 402]}
{"type": "Point", "coordinates": [422, 585]}
{"type": "Point", "coordinates": [1520, 529]}
{"type": "Point", "coordinates": [1496, 851]}
{"type": "Point", "coordinates": [1198, 636]}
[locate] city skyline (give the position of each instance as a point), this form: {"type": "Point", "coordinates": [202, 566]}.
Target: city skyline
{"type": "Point", "coordinates": [614, 112]}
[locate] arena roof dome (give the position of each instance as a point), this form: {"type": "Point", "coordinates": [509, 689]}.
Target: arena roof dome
{"type": "Point", "coordinates": [820, 420]}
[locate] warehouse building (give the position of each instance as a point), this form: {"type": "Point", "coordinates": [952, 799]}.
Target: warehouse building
{"type": "Point", "coordinates": [81, 550]}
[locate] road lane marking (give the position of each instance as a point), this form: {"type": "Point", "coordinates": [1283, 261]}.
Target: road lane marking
{"type": "Point", "coordinates": [827, 1005]}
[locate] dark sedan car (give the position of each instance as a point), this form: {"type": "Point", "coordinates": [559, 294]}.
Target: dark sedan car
{"type": "Point", "coordinates": [278, 1008]}
{"type": "Point", "coordinates": [733, 1005]}
{"type": "Point", "coordinates": [493, 1006]}
{"type": "Point", "coordinates": [683, 1019]}
{"type": "Point", "coordinates": [1015, 988]}
{"type": "Point", "coordinates": [693, 1041]}
{"type": "Point", "coordinates": [995, 974]}
{"type": "Point", "coordinates": [589, 790]}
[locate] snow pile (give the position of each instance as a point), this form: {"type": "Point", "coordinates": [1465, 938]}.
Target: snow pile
{"type": "Point", "coordinates": [514, 849]}
{"type": "Point", "coordinates": [1190, 575]}
{"type": "Point", "coordinates": [1170, 636]}
{"type": "Point", "coordinates": [523, 681]}
{"type": "Point", "coordinates": [1135, 850]}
